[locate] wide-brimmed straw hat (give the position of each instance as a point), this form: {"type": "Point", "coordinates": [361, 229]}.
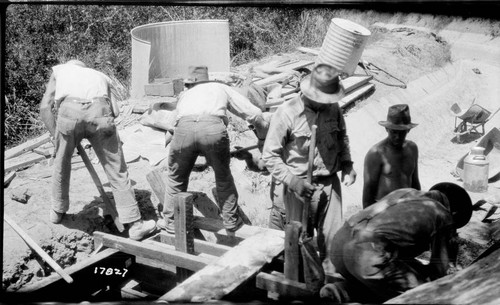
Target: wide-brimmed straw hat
{"type": "Point", "coordinates": [459, 200]}
{"type": "Point", "coordinates": [398, 118]}
{"type": "Point", "coordinates": [323, 85]}
{"type": "Point", "coordinates": [197, 74]}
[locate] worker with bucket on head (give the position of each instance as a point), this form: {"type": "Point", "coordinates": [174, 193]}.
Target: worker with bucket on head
{"type": "Point", "coordinates": [375, 250]}
{"type": "Point", "coordinates": [85, 108]}
{"type": "Point", "coordinates": [392, 163]}
{"type": "Point", "coordinates": [201, 129]}
{"type": "Point", "coordinates": [287, 147]}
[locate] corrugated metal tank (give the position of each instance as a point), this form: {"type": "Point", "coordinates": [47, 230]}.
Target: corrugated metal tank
{"type": "Point", "coordinates": [167, 49]}
{"type": "Point", "coordinates": [343, 45]}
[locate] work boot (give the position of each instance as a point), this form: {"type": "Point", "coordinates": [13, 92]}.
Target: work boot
{"type": "Point", "coordinates": [139, 229]}
{"type": "Point", "coordinates": [166, 224]}
{"type": "Point", "coordinates": [56, 217]}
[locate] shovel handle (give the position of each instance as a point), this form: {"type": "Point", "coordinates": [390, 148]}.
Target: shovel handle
{"type": "Point", "coordinates": [307, 202]}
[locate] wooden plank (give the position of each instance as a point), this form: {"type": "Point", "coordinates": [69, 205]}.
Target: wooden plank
{"type": "Point", "coordinates": [27, 146]}
{"type": "Point", "coordinates": [8, 178]}
{"type": "Point", "coordinates": [101, 256]}
{"type": "Point", "coordinates": [151, 251]}
{"type": "Point", "coordinates": [276, 78]}
{"type": "Point", "coordinates": [246, 231]}
{"type": "Point", "coordinates": [38, 250]}
{"type": "Point", "coordinates": [356, 95]}
{"type": "Point", "coordinates": [355, 81]}
{"type": "Point", "coordinates": [292, 251]}
{"type": "Point", "coordinates": [184, 237]}
{"type": "Point", "coordinates": [286, 288]}
{"type": "Point", "coordinates": [231, 270]}
{"type": "Point", "coordinates": [22, 161]}
{"type": "Point", "coordinates": [200, 246]}
{"type": "Point", "coordinates": [308, 50]}
{"type": "Point", "coordinates": [476, 284]}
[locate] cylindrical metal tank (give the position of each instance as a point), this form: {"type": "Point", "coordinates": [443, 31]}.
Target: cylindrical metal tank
{"type": "Point", "coordinates": [343, 45]}
{"type": "Point", "coordinates": [167, 49]}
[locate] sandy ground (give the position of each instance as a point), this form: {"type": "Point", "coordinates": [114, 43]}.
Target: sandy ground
{"type": "Point", "coordinates": [409, 54]}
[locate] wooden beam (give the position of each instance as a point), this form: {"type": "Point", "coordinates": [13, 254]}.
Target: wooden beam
{"type": "Point", "coordinates": [38, 250]}
{"type": "Point", "coordinates": [8, 178]}
{"type": "Point", "coordinates": [286, 288]}
{"type": "Point", "coordinates": [216, 226]}
{"type": "Point", "coordinates": [22, 161]}
{"type": "Point", "coordinates": [355, 81]}
{"type": "Point", "coordinates": [27, 146]}
{"type": "Point", "coordinates": [292, 251]}
{"type": "Point", "coordinates": [228, 272]}
{"type": "Point", "coordinates": [308, 50]}
{"type": "Point", "coordinates": [46, 282]}
{"type": "Point", "coordinates": [200, 246]}
{"type": "Point", "coordinates": [151, 251]}
{"type": "Point", "coordinates": [184, 236]}
{"type": "Point", "coordinates": [356, 95]}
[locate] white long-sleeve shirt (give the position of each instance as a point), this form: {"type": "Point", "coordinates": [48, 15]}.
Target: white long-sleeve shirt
{"type": "Point", "coordinates": [215, 99]}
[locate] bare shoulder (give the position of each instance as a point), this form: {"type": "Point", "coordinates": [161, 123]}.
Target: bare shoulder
{"type": "Point", "coordinates": [411, 145]}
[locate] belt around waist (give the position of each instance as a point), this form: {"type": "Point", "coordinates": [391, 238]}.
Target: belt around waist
{"type": "Point", "coordinates": [78, 100]}
{"type": "Point", "coordinates": [202, 118]}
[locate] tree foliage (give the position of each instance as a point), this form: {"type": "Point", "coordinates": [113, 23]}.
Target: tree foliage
{"type": "Point", "coordinates": [41, 36]}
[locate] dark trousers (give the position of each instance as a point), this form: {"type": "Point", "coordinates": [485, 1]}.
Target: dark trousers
{"type": "Point", "coordinates": [206, 135]}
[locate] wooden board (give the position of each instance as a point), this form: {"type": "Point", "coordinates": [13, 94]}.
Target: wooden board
{"type": "Point", "coordinates": [231, 270]}
{"type": "Point", "coordinates": [27, 146]}
{"type": "Point", "coordinates": [355, 81]}
{"type": "Point", "coordinates": [308, 50]}
{"type": "Point", "coordinates": [476, 284]}
{"type": "Point", "coordinates": [356, 95]}
{"type": "Point", "coordinates": [153, 251]}
{"type": "Point", "coordinates": [8, 178]}
{"type": "Point", "coordinates": [246, 231]}
{"type": "Point", "coordinates": [22, 161]}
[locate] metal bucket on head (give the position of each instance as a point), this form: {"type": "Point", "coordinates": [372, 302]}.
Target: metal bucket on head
{"type": "Point", "coordinates": [343, 45]}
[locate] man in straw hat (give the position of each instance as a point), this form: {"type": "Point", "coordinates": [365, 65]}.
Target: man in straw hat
{"type": "Point", "coordinates": [201, 129]}
{"type": "Point", "coordinates": [375, 250]}
{"type": "Point", "coordinates": [287, 147]}
{"type": "Point", "coordinates": [392, 163]}
{"type": "Point", "coordinates": [86, 109]}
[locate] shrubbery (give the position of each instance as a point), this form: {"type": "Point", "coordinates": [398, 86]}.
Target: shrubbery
{"type": "Point", "coordinates": [41, 36]}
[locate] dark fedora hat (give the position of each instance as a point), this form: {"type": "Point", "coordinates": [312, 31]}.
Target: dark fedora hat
{"type": "Point", "coordinates": [398, 118]}
{"type": "Point", "coordinates": [323, 85]}
{"type": "Point", "coordinates": [459, 200]}
{"type": "Point", "coordinates": [197, 74]}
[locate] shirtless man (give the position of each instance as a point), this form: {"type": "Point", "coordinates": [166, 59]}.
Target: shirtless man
{"type": "Point", "coordinates": [392, 163]}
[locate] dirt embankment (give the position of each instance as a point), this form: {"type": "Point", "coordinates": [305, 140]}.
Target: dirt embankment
{"type": "Point", "coordinates": [438, 69]}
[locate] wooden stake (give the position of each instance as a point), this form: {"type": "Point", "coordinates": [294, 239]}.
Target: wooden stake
{"type": "Point", "coordinates": [184, 230]}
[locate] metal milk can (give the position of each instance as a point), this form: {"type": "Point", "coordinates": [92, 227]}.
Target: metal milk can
{"type": "Point", "coordinates": [475, 174]}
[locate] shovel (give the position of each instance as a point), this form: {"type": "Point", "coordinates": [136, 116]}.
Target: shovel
{"type": "Point", "coordinates": [314, 274]}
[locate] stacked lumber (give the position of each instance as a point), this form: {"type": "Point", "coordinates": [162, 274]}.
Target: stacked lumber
{"type": "Point", "coordinates": [25, 155]}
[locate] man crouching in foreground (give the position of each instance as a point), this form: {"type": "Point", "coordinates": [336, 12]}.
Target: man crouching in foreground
{"type": "Point", "coordinates": [375, 250]}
